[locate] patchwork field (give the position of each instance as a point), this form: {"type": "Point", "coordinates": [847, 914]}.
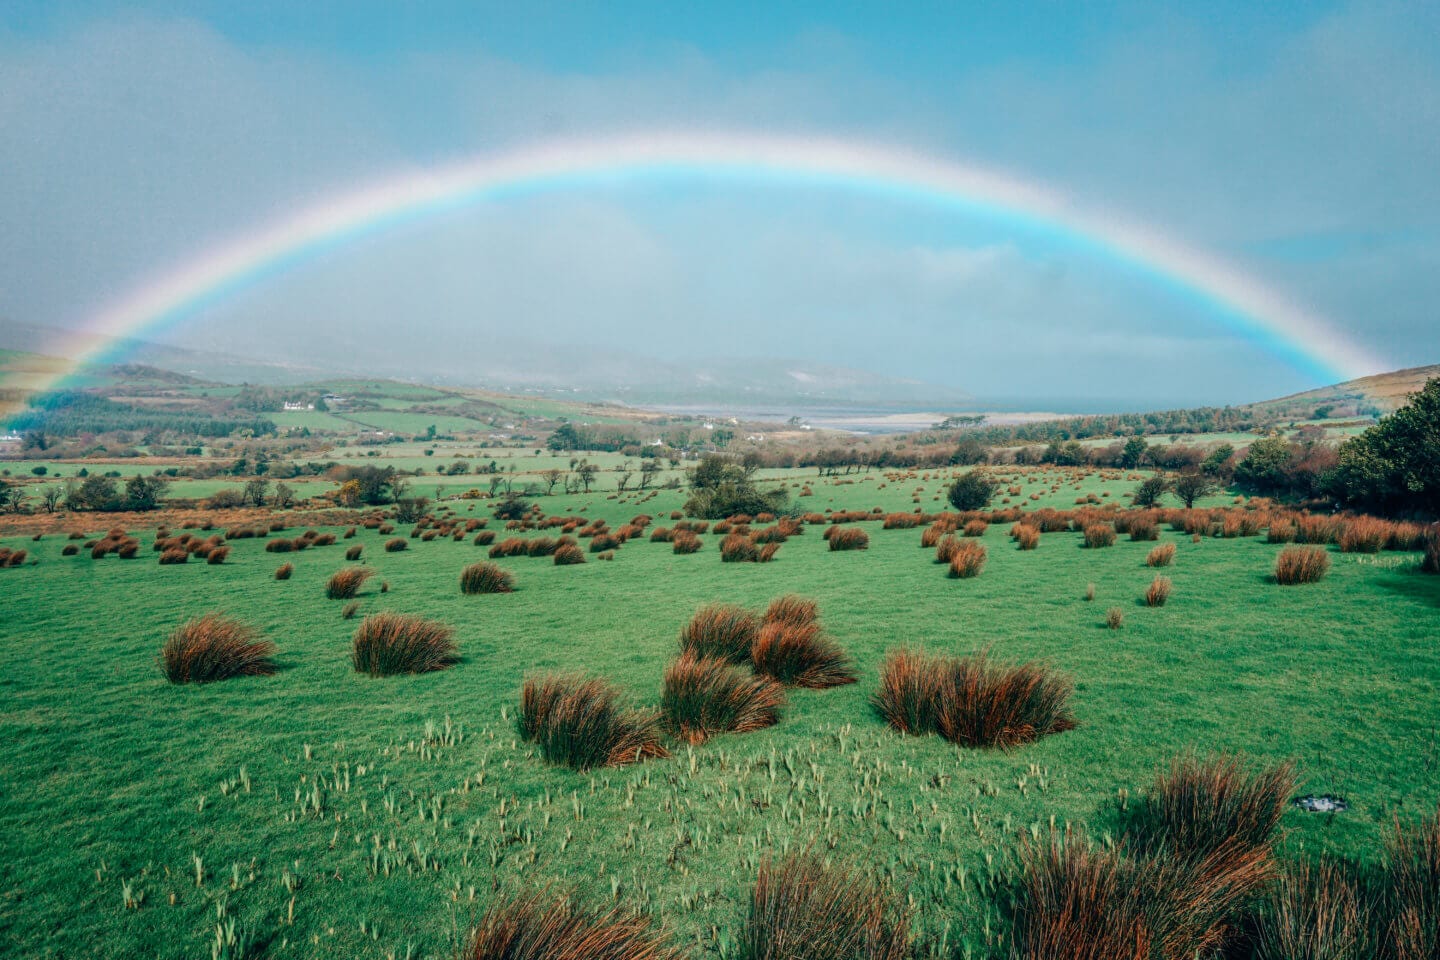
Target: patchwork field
{"type": "Point", "coordinates": [321, 812]}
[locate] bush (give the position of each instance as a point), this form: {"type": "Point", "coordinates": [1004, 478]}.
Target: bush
{"type": "Point", "coordinates": [215, 647]}
{"type": "Point", "coordinates": [542, 927]}
{"type": "Point", "coordinates": [971, 701]}
{"type": "Point", "coordinates": [805, 909]}
{"type": "Point", "coordinates": [345, 584]}
{"type": "Point", "coordinates": [486, 577]}
{"type": "Point", "coordinates": [800, 655]}
{"type": "Point", "coordinates": [284, 571]}
{"type": "Point", "coordinates": [568, 555]}
{"type": "Point", "coordinates": [1158, 592]}
{"type": "Point", "coordinates": [971, 491]}
{"type": "Point", "coordinates": [702, 697]}
{"type": "Point", "coordinates": [396, 545]}
{"type": "Point", "coordinates": [1160, 556]}
{"type": "Point", "coordinates": [1099, 535]}
{"type": "Point", "coordinates": [721, 630]}
{"type": "Point", "coordinates": [581, 722]}
{"type": "Point", "coordinates": [968, 560]}
{"type": "Point", "coordinates": [848, 538]}
{"type": "Point", "coordinates": [1301, 565]}
{"type": "Point", "coordinates": [389, 643]}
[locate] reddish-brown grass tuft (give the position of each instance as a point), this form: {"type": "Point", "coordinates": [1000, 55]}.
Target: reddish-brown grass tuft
{"type": "Point", "coordinates": [568, 554]}
{"type": "Point", "coordinates": [721, 630]}
{"type": "Point", "coordinates": [800, 655]}
{"type": "Point", "coordinates": [1099, 535]}
{"type": "Point", "coordinates": [1297, 565]}
{"type": "Point", "coordinates": [1158, 592]}
{"type": "Point", "coordinates": [541, 926]}
{"type": "Point", "coordinates": [968, 560]}
{"type": "Point", "coordinates": [848, 538]}
{"type": "Point", "coordinates": [1026, 537]}
{"type": "Point", "coordinates": [806, 908]}
{"type": "Point", "coordinates": [1161, 556]}
{"type": "Point", "coordinates": [684, 542]}
{"type": "Point", "coordinates": [486, 577]}
{"type": "Point", "coordinates": [345, 584]}
{"type": "Point", "coordinates": [705, 696]}
{"type": "Point", "coordinates": [284, 571]}
{"type": "Point", "coordinates": [215, 647]}
{"type": "Point", "coordinates": [388, 643]}
{"type": "Point", "coordinates": [792, 609]}
{"type": "Point", "coordinates": [582, 722]}
{"type": "Point", "coordinates": [396, 545]}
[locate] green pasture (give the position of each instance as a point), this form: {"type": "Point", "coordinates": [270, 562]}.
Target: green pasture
{"type": "Point", "coordinates": [328, 814]}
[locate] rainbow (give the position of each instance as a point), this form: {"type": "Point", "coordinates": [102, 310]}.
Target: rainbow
{"type": "Point", "coordinates": [1282, 326]}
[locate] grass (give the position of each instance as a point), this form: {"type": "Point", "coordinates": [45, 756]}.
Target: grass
{"type": "Point", "coordinates": [721, 630]}
{"type": "Point", "coordinates": [487, 577]}
{"type": "Point", "coordinates": [1296, 565]}
{"type": "Point", "coordinates": [801, 655]}
{"type": "Point", "coordinates": [119, 759]}
{"type": "Point", "coordinates": [705, 696]}
{"type": "Point", "coordinates": [805, 908]}
{"type": "Point", "coordinates": [583, 722]}
{"type": "Point", "coordinates": [215, 647]}
{"type": "Point", "coordinates": [543, 926]}
{"type": "Point", "coordinates": [390, 643]}
{"type": "Point", "coordinates": [345, 584]}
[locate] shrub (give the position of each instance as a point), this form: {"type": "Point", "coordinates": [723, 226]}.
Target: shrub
{"type": "Point", "coordinates": [684, 542]}
{"type": "Point", "coordinates": [1158, 592]}
{"type": "Point", "coordinates": [389, 643]}
{"type": "Point", "coordinates": [721, 630]}
{"type": "Point", "coordinates": [805, 909]}
{"type": "Point", "coordinates": [486, 577]}
{"type": "Point", "coordinates": [848, 538]}
{"type": "Point", "coordinates": [396, 545]}
{"type": "Point", "coordinates": [1301, 565]}
{"type": "Point", "coordinates": [1161, 556]}
{"type": "Point", "coordinates": [284, 571]}
{"type": "Point", "coordinates": [581, 722]}
{"type": "Point", "coordinates": [1099, 535]}
{"type": "Point", "coordinates": [353, 553]}
{"type": "Point", "coordinates": [215, 647]}
{"type": "Point", "coordinates": [792, 609]}
{"type": "Point", "coordinates": [705, 696]}
{"type": "Point", "coordinates": [968, 560]}
{"type": "Point", "coordinates": [800, 655]}
{"type": "Point", "coordinates": [568, 555]}
{"type": "Point", "coordinates": [971, 701]}
{"type": "Point", "coordinates": [1026, 537]}
{"type": "Point", "coordinates": [174, 555]}
{"type": "Point", "coordinates": [542, 927]}
{"type": "Point", "coordinates": [1115, 618]}
{"type": "Point", "coordinates": [215, 557]}
{"type": "Point", "coordinates": [971, 491]}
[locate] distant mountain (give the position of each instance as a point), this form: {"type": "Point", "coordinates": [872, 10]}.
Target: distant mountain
{"type": "Point", "coordinates": [1380, 393]}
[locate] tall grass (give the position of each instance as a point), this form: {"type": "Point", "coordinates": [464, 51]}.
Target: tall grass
{"type": "Point", "coordinates": [721, 630]}
{"type": "Point", "coordinates": [582, 722]}
{"type": "Point", "coordinates": [1412, 882]}
{"type": "Point", "coordinates": [1314, 911]}
{"type": "Point", "coordinates": [345, 584]}
{"type": "Point", "coordinates": [705, 696]}
{"type": "Point", "coordinates": [804, 908]}
{"type": "Point", "coordinates": [1160, 556]}
{"type": "Point", "coordinates": [848, 538]}
{"type": "Point", "coordinates": [486, 577]}
{"type": "Point", "coordinates": [215, 647]}
{"type": "Point", "coordinates": [792, 609]}
{"type": "Point", "coordinates": [1201, 805]}
{"type": "Point", "coordinates": [1297, 565]}
{"type": "Point", "coordinates": [968, 560]}
{"type": "Point", "coordinates": [389, 643]}
{"type": "Point", "coordinates": [1158, 592]}
{"type": "Point", "coordinates": [1099, 535]}
{"type": "Point", "coordinates": [800, 655]}
{"type": "Point", "coordinates": [541, 926]}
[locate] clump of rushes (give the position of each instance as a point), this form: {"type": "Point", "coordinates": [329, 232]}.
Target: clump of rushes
{"type": "Point", "coordinates": [721, 630]}
{"type": "Point", "coordinates": [284, 571]}
{"type": "Point", "coordinates": [544, 927]}
{"type": "Point", "coordinates": [971, 701]}
{"type": "Point", "coordinates": [800, 655]}
{"type": "Point", "coordinates": [1161, 556]}
{"type": "Point", "coordinates": [1099, 535]}
{"type": "Point", "coordinates": [486, 577]}
{"type": "Point", "coordinates": [975, 528]}
{"type": "Point", "coordinates": [1158, 592]}
{"type": "Point", "coordinates": [350, 610]}
{"type": "Point", "coordinates": [1115, 618]}
{"type": "Point", "coordinates": [968, 560]}
{"type": "Point", "coordinates": [1412, 879]}
{"type": "Point", "coordinates": [583, 722]}
{"type": "Point", "coordinates": [215, 557]}
{"type": "Point", "coordinates": [705, 696]}
{"type": "Point", "coordinates": [792, 609]}
{"type": "Point", "coordinates": [684, 542]}
{"type": "Point", "coordinates": [353, 553]}
{"type": "Point", "coordinates": [804, 908]}
{"type": "Point", "coordinates": [175, 555]}
{"type": "Point", "coordinates": [1297, 565]}
{"type": "Point", "coordinates": [215, 647]}
{"type": "Point", "coordinates": [1201, 805]}
{"type": "Point", "coordinates": [737, 548]}
{"type": "Point", "coordinates": [848, 538]}
{"type": "Point", "coordinates": [946, 549]}
{"type": "Point", "coordinates": [568, 554]}
{"type": "Point", "coordinates": [345, 584]}
{"type": "Point", "coordinates": [396, 545]}
{"type": "Point", "coordinates": [1026, 537]}
{"type": "Point", "coordinates": [389, 643]}
{"type": "Point", "coordinates": [1318, 910]}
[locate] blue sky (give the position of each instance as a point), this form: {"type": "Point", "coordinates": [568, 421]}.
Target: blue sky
{"type": "Point", "coordinates": [1299, 141]}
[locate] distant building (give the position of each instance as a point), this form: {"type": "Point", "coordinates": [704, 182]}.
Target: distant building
{"type": "Point", "coordinates": [299, 406]}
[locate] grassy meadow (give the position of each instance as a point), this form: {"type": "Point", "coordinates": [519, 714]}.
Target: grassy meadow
{"type": "Point", "coordinates": [319, 812]}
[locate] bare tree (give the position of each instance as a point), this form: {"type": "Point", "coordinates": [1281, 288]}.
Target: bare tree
{"type": "Point", "coordinates": [586, 471]}
{"type": "Point", "coordinates": [623, 481]}
{"type": "Point", "coordinates": [648, 469]}
{"type": "Point", "coordinates": [1190, 487]}
{"type": "Point", "coordinates": [256, 491]}
{"type": "Point", "coordinates": [51, 497]}
{"type": "Point", "coordinates": [551, 477]}
{"type": "Point", "coordinates": [284, 496]}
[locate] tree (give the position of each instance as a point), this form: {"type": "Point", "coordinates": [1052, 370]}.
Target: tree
{"type": "Point", "coordinates": [95, 493]}
{"type": "Point", "coordinates": [585, 471]}
{"type": "Point", "coordinates": [12, 498]}
{"type": "Point", "coordinates": [1150, 490]}
{"type": "Point", "coordinates": [551, 477]}
{"type": "Point", "coordinates": [1133, 453]}
{"type": "Point", "coordinates": [1191, 486]}
{"type": "Point", "coordinates": [51, 497]}
{"type": "Point", "coordinates": [511, 508]}
{"type": "Point", "coordinates": [565, 437]}
{"type": "Point", "coordinates": [284, 496]}
{"type": "Point", "coordinates": [969, 451]}
{"type": "Point", "coordinates": [256, 491]}
{"type": "Point", "coordinates": [722, 486]}
{"type": "Point", "coordinates": [623, 481]}
{"type": "Point", "coordinates": [410, 509]}
{"type": "Point", "coordinates": [972, 491]}
{"type": "Point", "coordinates": [1217, 463]}
{"type": "Point", "coordinates": [648, 469]}
{"type": "Point", "coordinates": [349, 493]}
{"type": "Point", "coordinates": [1395, 465]}
{"type": "Point", "coordinates": [1265, 466]}
{"type": "Point", "coordinates": [144, 493]}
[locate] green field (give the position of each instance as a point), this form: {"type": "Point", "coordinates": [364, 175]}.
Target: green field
{"type": "Point", "coordinates": [359, 828]}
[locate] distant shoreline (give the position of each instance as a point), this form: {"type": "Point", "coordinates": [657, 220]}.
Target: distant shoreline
{"type": "Point", "coordinates": [858, 420]}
